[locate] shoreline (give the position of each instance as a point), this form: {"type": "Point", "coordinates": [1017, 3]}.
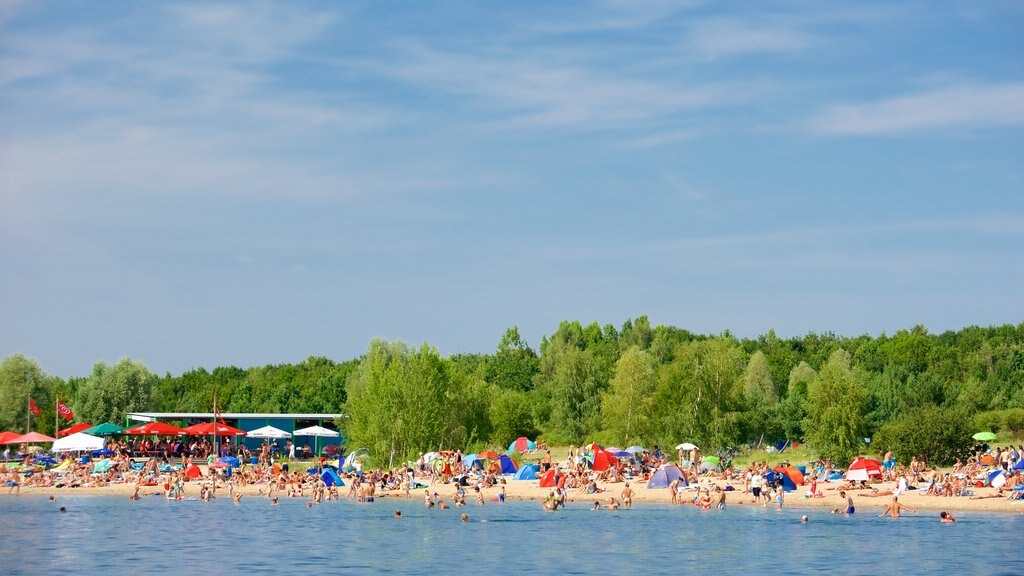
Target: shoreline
{"type": "Point", "coordinates": [528, 490]}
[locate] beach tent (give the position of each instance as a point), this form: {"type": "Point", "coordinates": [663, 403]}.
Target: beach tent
{"type": "Point", "coordinates": [507, 465]}
{"type": "Point", "coordinates": [268, 432]}
{"type": "Point", "coordinates": [710, 463]}
{"type": "Point", "coordinates": [73, 429]}
{"type": "Point", "coordinates": [105, 429]}
{"type": "Point", "coordinates": [996, 478]}
{"type": "Point", "coordinates": [193, 472]}
{"type": "Point", "coordinates": [665, 475]}
{"type": "Point", "coordinates": [230, 461]}
{"type": "Point", "coordinates": [80, 442]}
{"type": "Point", "coordinates": [526, 472]}
{"type": "Point", "coordinates": [522, 445]}
{"type": "Point", "coordinates": [604, 460]}
{"type": "Point", "coordinates": [863, 468]}
{"type": "Point", "coordinates": [791, 477]}
{"type": "Point", "coordinates": [547, 479]}
{"type": "Point", "coordinates": [331, 478]}
{"type": "Point", "coordinates": [487, 454]}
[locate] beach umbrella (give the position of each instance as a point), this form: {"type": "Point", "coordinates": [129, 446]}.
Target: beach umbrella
{"type": "Point", "coordinates": [623, 454]}
{"type": "Point", "coordinates": [984, 436]}
{"type": "Point", "coordinates": [102, 465]}
{"type": "Point", "coordinates": [427, 458]}
{"type": "Point", "coordinates": [105, 429]}
{"type": "Point", "coordinates": [635, 449]}
{"type": "Point", "coordinates": [711, 459]}
{"type": "Point", "coordinates": [5, 436]}
{"type": "Point", "coordinates": [220, 465]}
{"type": "Point", "coordinates": [154, 429]}
{"type": "Point", "coordinates": [268, 432]}
{"type": "Point", "coordinates": [73, 429]}
{"type": "Point", "coordinates": [996, 478]}
{"type": "Point", "coordinates": [363, 453]}
{"type": "Point", "coordinates": [318, 431]}
{"type": "Point", "coordinates": [522, 445]}
{"type": "Point", "coordinates": [30, 438]}
{"type": "Point", "coordinates": [687, 446]}
{"type": "Point", "coordinates": [80, 442]}
{"type": "Point", "coordinates": [102, 452]}
{"type": "Point", "coordinates": [1019, 465]}
{"type": "Point", "coordinates": [613, 449]}
{"type": "Point", "coordinates": [213, 429]}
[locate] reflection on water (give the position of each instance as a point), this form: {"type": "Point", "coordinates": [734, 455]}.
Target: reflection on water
{"type": "Point", "coordinates": [106, 534]}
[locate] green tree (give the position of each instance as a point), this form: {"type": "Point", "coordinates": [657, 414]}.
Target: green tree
{"type": "Point", "coordinates": [21, 378]}
{"type": "Point", "coordinates": [699, 396]}
{"type": "Point", "coordinates": [626, 407]}
{"type": "Point", "coordinates": [837, 403]}
{"type": "Point", "coordinates": [515, 364]}
{"type": "Point", "coordinates": [757, 382]}
{"type": "Point", "coordinates": [511, 416]}
{"type": "Point", "coordinates": [113, 391]}
{"type": "Point", "coordinates": [938, 435]}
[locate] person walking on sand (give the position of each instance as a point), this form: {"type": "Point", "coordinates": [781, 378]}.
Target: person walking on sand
{"type": "Point", "coordinates": [627, 496]}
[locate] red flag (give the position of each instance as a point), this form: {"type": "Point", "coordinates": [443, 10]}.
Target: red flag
{"type": "Point", "coordinates": [32, 406]}
{"type": "Point", "coordinates": [64, 411]}
{"type": "Point", "coordinates": [216, 412]}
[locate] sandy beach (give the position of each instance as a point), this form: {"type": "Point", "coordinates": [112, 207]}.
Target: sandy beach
{"type": "Point", "coordinates": [985, 500]}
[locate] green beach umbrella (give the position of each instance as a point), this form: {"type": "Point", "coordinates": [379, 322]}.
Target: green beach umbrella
{"type": "Point", "coordinates": [712, 459]}
{"type": "Point", "coordinates": [984, 436]}
{"type": "Point", "coordinates": [105, 429]}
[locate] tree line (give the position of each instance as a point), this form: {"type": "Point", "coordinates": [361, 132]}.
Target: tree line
{"type": "Point", "coordinates": [918, 393]}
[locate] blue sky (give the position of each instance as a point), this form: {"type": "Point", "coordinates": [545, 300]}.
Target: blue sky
{"type": "Point", "coordinates": [201, 184]}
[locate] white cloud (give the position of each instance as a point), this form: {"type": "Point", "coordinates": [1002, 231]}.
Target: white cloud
{"type": "Point", "coordinates": [968, 105]}
{"type": "Point", "coordinates": [720, 38]}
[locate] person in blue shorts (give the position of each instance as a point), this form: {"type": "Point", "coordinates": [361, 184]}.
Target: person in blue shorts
{"type": "Point", "coordinates": [849, 502]}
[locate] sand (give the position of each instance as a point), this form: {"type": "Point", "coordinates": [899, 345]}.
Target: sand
{"type": "Point", "coordinates": [529, 490]}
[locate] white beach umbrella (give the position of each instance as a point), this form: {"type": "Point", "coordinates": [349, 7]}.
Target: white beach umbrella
{"type": "Point", "coordinates": [80, 442]}
{"type": "Point", "coordinates": [687, 446]}
{"type": "Point", "coordinates": [268, 432]}
{"type": "Point", "coordinates": [317, 431]}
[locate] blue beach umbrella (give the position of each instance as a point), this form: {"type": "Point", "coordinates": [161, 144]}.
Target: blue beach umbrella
{"type": "Point", "coordinates": [996, 478]}
{"type": "Point", "coordinates": [623, 454]}
{"type": "Point", "coordinates": [1019, 465]}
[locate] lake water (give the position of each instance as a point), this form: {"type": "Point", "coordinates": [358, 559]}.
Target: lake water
{"type": "Point", "coordinates": [109, 535]}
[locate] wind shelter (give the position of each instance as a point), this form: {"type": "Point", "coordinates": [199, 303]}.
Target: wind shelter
{"type": "Point", "coordinates": [526, 472]}
{"type": "Point", "coordinates": [667, 474]}
{"type": "Point", "coordinates": [547, 479]}
{"type": "Point", "coordinates": [604, 460]}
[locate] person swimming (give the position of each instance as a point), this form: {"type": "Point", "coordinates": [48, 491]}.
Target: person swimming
{"type": "Point", "coordinates": [946, 517]}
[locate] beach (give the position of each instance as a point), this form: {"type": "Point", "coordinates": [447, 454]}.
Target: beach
{"type": "Point", "coordinates": [985, 499]}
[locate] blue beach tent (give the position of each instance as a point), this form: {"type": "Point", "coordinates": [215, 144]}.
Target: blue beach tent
{"type": "Point", "coordinates": [666, 475]}
{"type": "Point", "coordinates": [331, 478]}
{"type": "Point", "coordinates": [527, 472]}
{"type": "Point", "coordinates": [507, 465]}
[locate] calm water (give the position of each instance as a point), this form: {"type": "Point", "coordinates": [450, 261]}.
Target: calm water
{"type": "Point", "coordinates": [102, 534]}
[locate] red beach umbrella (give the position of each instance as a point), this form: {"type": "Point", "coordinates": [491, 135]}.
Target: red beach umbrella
{"type": "Point", "coordinates": [154, 429]}
{"type": "Point", "coordinates": [5, 436]}
{"type": "Point", "coordinates": [30, 438]}
{"type": "Point", "coordinates": [73, 429]}
{"type": "Point", "coordinates": [213, 428]}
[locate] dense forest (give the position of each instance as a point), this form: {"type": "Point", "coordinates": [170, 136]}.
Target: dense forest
{"type": "Point", "coordinates": [919, 393]}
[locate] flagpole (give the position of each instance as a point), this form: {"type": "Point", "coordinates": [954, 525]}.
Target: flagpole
{"type": "Point", "coordinates": [56, 413]}
{"type": "Point", "coordinates": [28, 414]}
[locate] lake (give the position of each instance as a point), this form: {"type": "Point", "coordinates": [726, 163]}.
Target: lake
{"type": "Point", "coordinates": [101, 534]}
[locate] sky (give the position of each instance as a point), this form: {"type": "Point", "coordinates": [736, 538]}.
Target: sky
{"type": "Point", "coordinates": [204, 184]}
